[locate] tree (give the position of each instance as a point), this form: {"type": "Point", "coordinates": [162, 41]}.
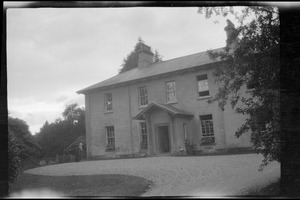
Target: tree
{"type": "Point", "coordinates": [73, 113]}
{"type": "Point", "coordinates": [22, 147]}
{"type": "Point", "coordinates": [22, 138]}
{"type": "Point", "coordinates": [74, 116]}
{"type": "Point", "coordinates": [73, 145]}
{"type": "Point", "coordinates": [53, 138]}
{"type": "Point", "coordinates": [57, 136]}
{"type": "Point", "coordinates": [131, 61]}
{"type": "Point", "coordinates": [251, 61]}
{"type": "Point", "coordinates": [157, 57]}
{"type": "Point", "coordinates": [14, 161]}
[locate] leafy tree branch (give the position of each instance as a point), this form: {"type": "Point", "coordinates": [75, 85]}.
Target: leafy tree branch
{"type": "Point", "coordinates": [249, 74]}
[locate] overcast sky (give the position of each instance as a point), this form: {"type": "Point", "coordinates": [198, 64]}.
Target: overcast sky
{"type": "Point", "coordinates": [54, 52]}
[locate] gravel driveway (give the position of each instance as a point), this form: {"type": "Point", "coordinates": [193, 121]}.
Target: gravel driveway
{"type": "Point", "coordinates": [180, 176]}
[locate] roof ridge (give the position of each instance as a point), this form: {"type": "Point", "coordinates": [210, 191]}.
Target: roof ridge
{"type": "Point", "coordinates": [187, 55]}
{"type": "Point", "coordinates": [129, 75]}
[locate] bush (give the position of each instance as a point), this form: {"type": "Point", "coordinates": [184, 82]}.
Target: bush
{"type": "Point", "coordinates": [14, 161]}
{"type": "Point", "coordinates": [189, 148]}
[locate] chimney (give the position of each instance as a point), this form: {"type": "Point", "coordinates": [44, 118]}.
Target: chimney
{"type": "Point", "coordinates": [145, 56]}
{"type": "Point", "coordinates": [232, 34]}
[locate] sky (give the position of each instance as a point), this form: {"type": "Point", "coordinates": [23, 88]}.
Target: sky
{"type": "Point", "coordinates": [54, 52]}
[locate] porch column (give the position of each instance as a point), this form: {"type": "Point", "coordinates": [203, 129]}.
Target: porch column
{"type": "Point", "coordinates": [173, 134]}
{"type": "Point", "coordinates": [149, 134]}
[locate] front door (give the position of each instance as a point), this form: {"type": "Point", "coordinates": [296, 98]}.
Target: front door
{"type": "Point", "coordinates": [163, 139]}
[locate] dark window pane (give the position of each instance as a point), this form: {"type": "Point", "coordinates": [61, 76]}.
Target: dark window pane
{"type": "Point", "coordinates": [108, 101]}
{"type": "Point", "coordinates": [143, 96]}
{"type": "Point", "coordinates": [143, 133]}
{"type": "Point", "coordinates": [206, 117]}
{"type": "Point", "coordinates": [201, 77]}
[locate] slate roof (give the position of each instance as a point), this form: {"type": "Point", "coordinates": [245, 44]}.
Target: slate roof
{"type": "Point", "coordinates": [155, 69]}
{"type": "Point", "coordinates": [166, 107]}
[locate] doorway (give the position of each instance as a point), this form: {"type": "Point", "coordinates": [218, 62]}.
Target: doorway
{"type": "Point", "coordinates": [163, 139]}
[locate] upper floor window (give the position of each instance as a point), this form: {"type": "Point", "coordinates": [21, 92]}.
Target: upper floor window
{"type": "Point", "coordinates": [171, 92]}
{"type": "Point", "coordinates": [203, 89]}
{"type": "Point", "coordinates": [207, 129]}
{"type": "Point", "coordinates": [110, 137]}
{"type": "Point", "coordinates": [143, 96]}
{"type": "Point", "coordinates": [108, 102]}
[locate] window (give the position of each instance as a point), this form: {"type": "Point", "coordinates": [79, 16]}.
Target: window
{"type": "Point", "coordinates": [203, 89]}
{"type": "Point", "coordinates": [110, 137]}
{"type": "Point", "coordinates": [171, 92]}
{"type": "Point", "coordinates": [108, 102]}
{"type": "Point", "coordinates": [207, 129]}
{"type": "Point", "coordinates": [143, 96]}
{"type": "Point", "coordinates": [144, 139]}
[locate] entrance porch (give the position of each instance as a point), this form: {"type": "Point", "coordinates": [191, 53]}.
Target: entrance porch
{"type": "Point", "coordinates": [167, 128]}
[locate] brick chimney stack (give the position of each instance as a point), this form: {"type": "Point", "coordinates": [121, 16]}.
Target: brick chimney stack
{"type": "Point", "coordinates": [145, 56]}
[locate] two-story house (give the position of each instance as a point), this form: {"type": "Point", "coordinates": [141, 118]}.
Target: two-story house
{"type": "Point", "coordinates": [156, 107]}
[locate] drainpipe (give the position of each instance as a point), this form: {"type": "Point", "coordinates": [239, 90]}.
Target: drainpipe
{"type": "Point", "coordinates": [130, 123]}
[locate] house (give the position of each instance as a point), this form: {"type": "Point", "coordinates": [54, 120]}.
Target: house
{"type": "Point", "coordinates": [154, 108]}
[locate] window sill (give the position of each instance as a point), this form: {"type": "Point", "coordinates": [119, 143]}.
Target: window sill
{"type": "Point", "coordinates": [172, 102]}
{"type": "Point", "coordinates": [205, 97]}
{"type": "Point", "coordinates": [142, 107]}
{"type": "Point", "coordinates": [110, 149]}
{"type": "Point", "coordinates": [208, 144]}
{"type": "Point", "coordinates": [110, 111]}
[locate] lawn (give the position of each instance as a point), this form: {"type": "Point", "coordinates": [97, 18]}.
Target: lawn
{"type": "Point", "coordinates": [271, 190]}
{"type": "Point", "coordinates": [30, 185]}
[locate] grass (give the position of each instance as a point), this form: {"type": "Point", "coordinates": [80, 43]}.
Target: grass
{"type": "Point", "coordinates": [271, 190]}
{"type": "Point", "coordinates": [30, 185]}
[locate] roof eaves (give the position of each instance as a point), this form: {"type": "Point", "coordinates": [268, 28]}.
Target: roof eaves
{"type": "Point", "coordinates": [170, 73]}
{"type": "Point", "coordinates": [94, 87]}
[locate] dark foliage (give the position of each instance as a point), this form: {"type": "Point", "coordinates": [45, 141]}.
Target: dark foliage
{"type": "Point", "coordinates": [131, 61]}
{"type": "Point", "coordinates": [189, 147]}
{"type": "Point", "coordinates": [14, 161]}
{"type": "Point", "coordinates": [251, 63]}
{"type": "Point", "coordinates": [103, 185]}
{"type": "Point", "coordinates": [22, 146]}
{"type": "Point", "coordinates": [55, 137]}
{"type": "Point", "coordinates": [72, 147]}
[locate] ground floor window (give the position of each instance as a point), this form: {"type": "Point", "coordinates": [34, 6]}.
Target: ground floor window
{"type": "Point", "coordinates": [207, 129]}
{"type": "Point", "coordinates": [110, 137]}
{"type": "Point", "coordinates": [144, 139]}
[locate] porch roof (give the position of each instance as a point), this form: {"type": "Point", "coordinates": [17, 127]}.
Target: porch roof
{"type": "Point", "coordinates": [166, 107]}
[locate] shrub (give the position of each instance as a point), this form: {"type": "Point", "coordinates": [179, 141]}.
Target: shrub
{"type": "Point", "coordinates": [189, 147]}
{"type": "Point", "coordinates": [14, 161]}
